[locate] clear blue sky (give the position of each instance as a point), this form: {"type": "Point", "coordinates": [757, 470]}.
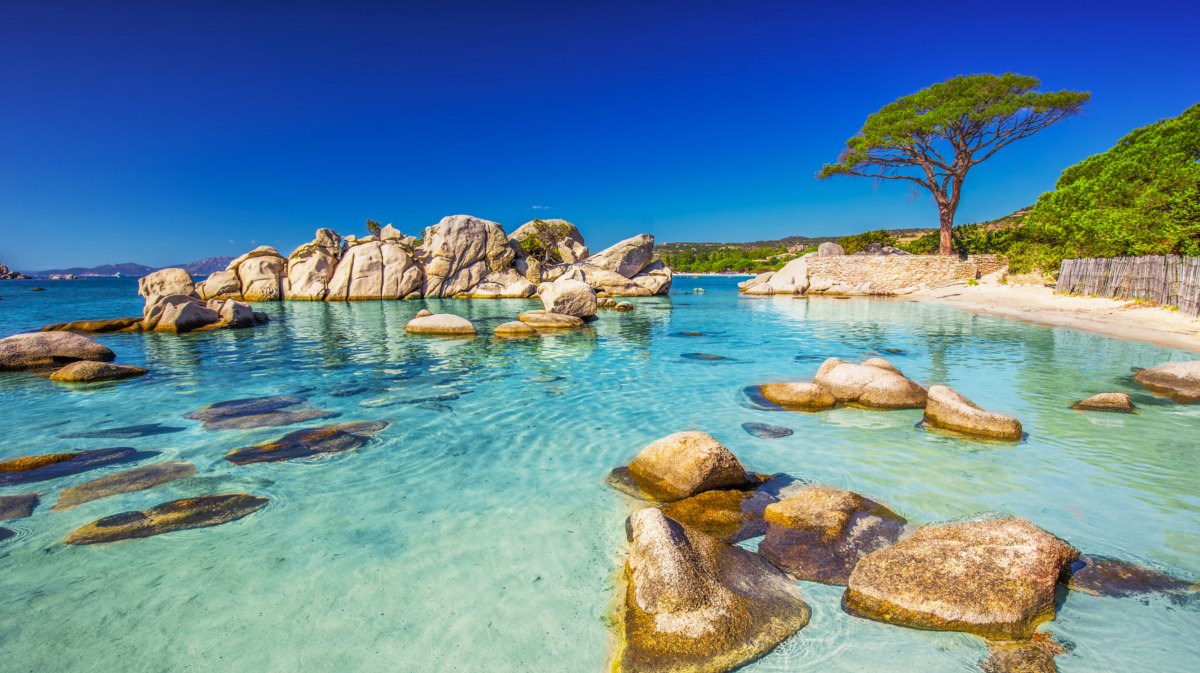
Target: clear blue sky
{"type": "Point", "coordinates": [162, 132]}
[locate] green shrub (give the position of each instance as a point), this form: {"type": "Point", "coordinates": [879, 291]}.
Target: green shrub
{"type": "Point", "coordinates": [858, 242]}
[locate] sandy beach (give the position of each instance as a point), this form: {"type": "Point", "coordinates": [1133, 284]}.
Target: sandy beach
{"type": "Point", "coordinates": [1118, 319]}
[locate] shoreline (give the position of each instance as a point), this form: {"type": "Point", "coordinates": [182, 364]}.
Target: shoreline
{"type": "Point", "coordinates": [1126, 320]}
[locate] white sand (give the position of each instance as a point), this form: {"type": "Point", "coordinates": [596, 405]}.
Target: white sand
{"type": "Point", "coordinates": [1117, 319]}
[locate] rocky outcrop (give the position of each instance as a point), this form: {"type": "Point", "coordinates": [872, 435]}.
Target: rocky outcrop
{"type": "Point", "coordinates": [29, 469]}
{"type": "Point", "coordinates": [310, 266]}
{"type": "Point", "coordinates": [803, 396]}
{"type": "Point", "coordinates": [566, 296]}
{"type": "Point", "coordinates": [567, 245]}
{"type": "Point", "coordinates": [820, 533]}
{"type": "Point", "coordinates": [334, 438]}
{"type": "Point", "coordinates": [174, 304]}
{"type": "Point", "coordinates": [441, 323]}
{"type": "Point", "coordinates": [730, 515]}
{"type": "Point", "coordinates": [371, 269]}
{"type": "Point", "coordinates": [627, 258]}
{"type": "Point", "coordinates": [830, 249]}
{"type": "Point", "coordinates": [459, 252]}
{"type": "Point", "coordinates": [200, 512]}
{"type": "Point", "coordinates": [88, 371]}
{"type": "Point", "coordinates": [679, 466]}
{"type": "Point", "coordinates": [791, 279]}
{"type": "Point", "coordinates": [220, 285]}
{"type": "Point", "coordinates": [261, 274]}
{"type": "Point", "coordinates": [993, 578]}
{"type": "Point", "coordinates": [129, 481]}
{"type": "Point", "coordinates": [947, 410]}
{"type": "Point", "coordinates": [41, 350]}
{"type": "Point", "coordinates": [8, 274]}
{"type": "Point", "coordinates": [875, 384]}
{"type": "Point", "coordinates": [694, 604]}
{"type": "Point", "coordinates": [164, 283]}
{"type": "Point", "coordinates": [1179, 381]}
{"type": "Point", "coordinates": [257, 412]}
{"type": "Point", "coordinates": [1117, 402]}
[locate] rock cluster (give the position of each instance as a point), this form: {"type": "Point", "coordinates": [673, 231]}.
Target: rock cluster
{"type": "Point", "coordinates": [175, 304]}
{"type": "Point", "coordinates": [8, 274]}
{"type": "Point", "coordinates": [875, 384]}
{"type": "Point", "coordinates": [460, 256]}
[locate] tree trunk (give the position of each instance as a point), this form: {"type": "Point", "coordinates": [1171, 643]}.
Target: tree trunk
{"type": "Point", "coordinates": [946, 216]}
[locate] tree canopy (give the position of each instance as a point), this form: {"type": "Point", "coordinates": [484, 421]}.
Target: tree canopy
{"type": "Point", "coordinates": [934, 137]}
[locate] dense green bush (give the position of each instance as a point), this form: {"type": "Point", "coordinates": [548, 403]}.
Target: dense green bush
{"type": "Point", "coordinates": [995, 237]}
{"type": "Point", "coordinates": [1142, 197]}
{"type": "Point", "coordinates": [728, 259]}
{"type": "Point", "coordinates": [857, 242]}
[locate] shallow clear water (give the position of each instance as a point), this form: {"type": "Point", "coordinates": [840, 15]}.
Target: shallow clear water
{"type": "Point", "coordinates": [477, 533]}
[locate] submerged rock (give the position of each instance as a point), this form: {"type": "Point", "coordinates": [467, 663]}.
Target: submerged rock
{"type": "Point", "coordinates": [694, 604]}
{"type": "Point", "coordinates": [125, 432]}
{"type": "Point", "coordinates": [544, 320]}
{"type": "Point", "coordinates": [1179, 381]}
{"type": "Point", "coordinates": [132, 324]}
{"type": "Point", "coordinates": [49, 349]}
{"type": "Point", "coordinates": [625, 306]}
{"type": "Point", "coordinates": [257, 412]}
{"type": "Point", "coordinates": [137, 479]}
{"type": "Point", "coordinates": [875, 384]}
{"type": "Point", "coordinates": [444, 324]}
{"type": "Point", "coordinates": [88, 371]}
{"type": "Point", "coordinates": [29, 469]}
{"type": "Point", "coordinates": [994, 578]}
{"type": "Point", "coordinates": [681, 465]}
{"type": "Point", "coordinates": [1021, 656]}
{"type": "Point", "coordinates": [1118, 402]}
{"type": "Point", "coordinates": [333, 438]}
{"type": "Point", "coordinates": [766, 430]}
{"type": "Point", "coordinates": [802, 396]}
{"type": "Point", "coordinates": [6, 534]}
{"type": "Point", "coordinates": [728, 515]}
{"type": "Point", "coordinates": [820, 533]}
{"type": "Point", "coordinates": [18, 506]}
{"type": "Point", "coordinates": [948, 410]}
{"type": "Point", "coordinates": [199, 512]}
{"type": "Point", "coordinates": [1102, 576]}
{"type": "Point", "coordinates": [703, 357]}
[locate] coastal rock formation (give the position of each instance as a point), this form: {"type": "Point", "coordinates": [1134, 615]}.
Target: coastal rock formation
{"type": "Point", "coordinates": [371, 269]}
{"type": "Point", "coordinates": [310, 266]}
{"type": "Point", "coordinates": [1179, 381]}
{"type": "Point", "coordinates": [820, 533]}
{"type": "Point", "coordinates": [695, 604]}
{"type": "Point", "coordinates": [803, 396]}
{"type": "Point", "coordinates": [791, 279]}
{"type": "Point", "coordinates": [29, 469]}
{"type": "Point", "coordinates": [728, 515]}
{"type": "Point", "coordinates": [830, 249]}
{"type": "Point", "coordinates": [445, 324]}
{"type": "Point", "coordinates": [623, 306]}
{"type": "Point", "coordinates": [8, 274]}
{"type": "Point", "coordinates": [514, 329]}
{"type": "Point", "coordinates": [568, 246]}
{"type": "Point", "coordinates": [993, 578]}
{"type": "Point", "coordinates": [459, 252]}
{"type": "Point", "coordinates": [948, 410]}
{"type": "Point", "coordinates": [333, 438]}
{"type": "Point", "coordinates": [566, 296]}
{"type": "Point", "coordinates": [261, 274]}
{"type": "Point", "coordinates": [137, 479]}
{"type": "Point", "coordinates": [1101, 576]}
{"type": "Point", "coordinates": [257, 412]}
{"type": "Point", "coordinates": [49, 349]}
{"type": "Point", "coordinates": [89, 371]}
{"type": "Point", "coordinates": [875, 384]}
{"type": "Point", "coordinates": [683, 464]}
{"type": "Point", "coordinates": [544, 320]}
{"type": "Point", "coordinates": [18, 506]}
{"type": "Point", "coordinates": [507, 284]}
{"type": "Point", "coordinates": [220, 285]}
{"type": "Point", "coordinates": [174, 304]}
{"type": "Point", "coordinates": [200, 512]}
{"type": "Point", "coordinates": [164, 283]}
{"type": "Point", "coordinates": [1118, 402]}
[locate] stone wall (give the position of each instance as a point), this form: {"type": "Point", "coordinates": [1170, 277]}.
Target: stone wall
{"type": "Point", "coordinates": [893, 274]}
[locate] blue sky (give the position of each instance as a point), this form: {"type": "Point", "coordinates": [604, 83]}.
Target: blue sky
{"type": "Point", "coordinates": [162, 132]}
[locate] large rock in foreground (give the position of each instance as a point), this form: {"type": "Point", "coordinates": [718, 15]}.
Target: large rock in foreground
{"type": "Point", "coordinates": [49, 349]}
{"type": "Point", "coordinates": [88, 371]}
{"type": "Point", "coordinates": [201, 512]}
{"type": "Point", "coordinates": [1179, 381]}
{"type": "Point", "coordinates": [568, 297]}
{"type": "Point", "coordinates": [333, 438]}
{"type": "Point", "coordinates": [28, 469]}
{"type": "Point", "coordinates": [684, 464]}
{"type": "Point", "coordinates": [696, 605]}
{"type": "Point", "coordinates": [993, 578]}
{"type": "Point", "coordinates": [876, 384]}
{"type": "Point", "coordinates": [948, 410]}
{"type": "Point", "coordinates": [820, 533]}
{"type": "Point", "coordinates": [129, 481]}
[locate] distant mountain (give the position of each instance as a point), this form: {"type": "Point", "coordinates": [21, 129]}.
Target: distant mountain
{"type": "Point", "coordinates": [201, 267]}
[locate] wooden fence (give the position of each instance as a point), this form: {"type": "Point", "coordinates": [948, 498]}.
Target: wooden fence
{"type": "Point", "coordinates": [1169, 280]}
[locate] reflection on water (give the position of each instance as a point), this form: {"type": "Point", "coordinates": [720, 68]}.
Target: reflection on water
{"type": "Point", "coordinates": [476, 533]}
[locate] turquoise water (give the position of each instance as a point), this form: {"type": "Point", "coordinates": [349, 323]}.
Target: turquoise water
{"type": "Point", "coordinates": [477, 534]}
